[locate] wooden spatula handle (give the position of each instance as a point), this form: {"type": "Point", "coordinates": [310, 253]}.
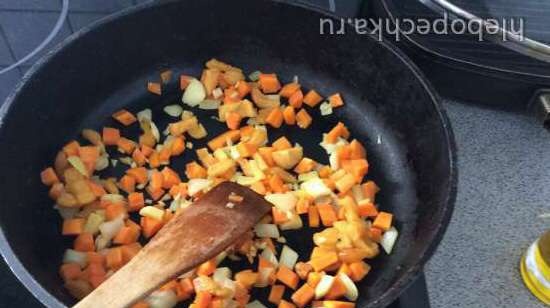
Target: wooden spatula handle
{"type": "Point", "coordinates": [192, 237]}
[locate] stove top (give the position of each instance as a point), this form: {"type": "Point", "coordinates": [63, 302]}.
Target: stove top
{"type": "Point", "coordinates": [24, 25]}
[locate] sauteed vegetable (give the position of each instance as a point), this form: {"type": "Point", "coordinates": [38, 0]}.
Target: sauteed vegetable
{"type": "Point", "coordinates": [110, 218]}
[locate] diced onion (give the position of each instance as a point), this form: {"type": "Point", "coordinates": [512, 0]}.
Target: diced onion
{"type": "Point", "coordinates": [323, 286]}
{"type": "Point", "coordinates": [263, 277]}
{"type": "Point", "coordinates": [220, 257]}
{"type": "Point", "coordinates": [73, 256]}
{"type": "Point", "coordinates": [101, 242]}
{"type": "Point", "coordinates": [67, 212]}
{"type": "Point", "coordinates": [102, 162]}
{"type": "Point", "coordinates": [326, 109]}
{"type": "Point", "coordinates": [255, 304]}
{"type": "Point", "coordinates": [221, 274]}
{"type": "Point", "coordinates": [173, 110]}
{"type": "Point", "coordinates": [308, 176]}
{"type": "Point", "coordinates": [155, 131]}
{"type": "Point", "coordinates": [209, 104]}
{"type": "Point", "coordinates": [110, 228]}
{"type": "Point", "coordinates": [145, 114]}
{"type": "Point", "coordinates": [194, 93]}
{"type": "Point", "coordinates": [93, 222]}
{"type": "Point", "coordinates": [334, 161]}
{"type": "Point", "coordinates": [357, 193]}
{"type": "Point", "coordinates": [284, 202]}
{"type": "Point", "coordinates": [266, 230]}
{"type": "Point", "coordinates": [351, 289]}
{"type": "Point", "coordinates": [152, 212]}
{"type": "Point", "coordinates": [77, 163]}
{"type": "Point", "coordinates": [289, 257]}
{"type": "Point", "coordinates": [388, 239]}
{"type": "Point", "coordinates": [294, 222]}
{"type": "Point", "coordinates": [246, 180]}
{"type": "Point", "coordinates": [270, 256]}
{"type": "Point", "coordinates": [254, 76]}
{"type": "Point", "coordinates": [197, 185]}
{"type": "Point", "coordinates": [113, 198]}
{"type": "Point", "coordinates": [162, 299]}
{"type": "Point", "coordinates": [315, 188]}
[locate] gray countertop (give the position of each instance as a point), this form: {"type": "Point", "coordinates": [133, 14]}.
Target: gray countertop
{"type": "Point", "coordinates": [504, 185]}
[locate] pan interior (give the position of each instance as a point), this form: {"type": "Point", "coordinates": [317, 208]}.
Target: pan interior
{"type": "Point", "coordinates": [388, 108]}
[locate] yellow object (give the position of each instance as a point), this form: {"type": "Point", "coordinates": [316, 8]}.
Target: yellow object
{"type": "Point", "coordinates": [535, 272]}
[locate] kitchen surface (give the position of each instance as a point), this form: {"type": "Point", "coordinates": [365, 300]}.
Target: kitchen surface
{"type": "Point", "coordinates": [503, 163]}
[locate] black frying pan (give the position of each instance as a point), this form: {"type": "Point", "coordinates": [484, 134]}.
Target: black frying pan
{"type": "Point", "coordinates": [390, 107]}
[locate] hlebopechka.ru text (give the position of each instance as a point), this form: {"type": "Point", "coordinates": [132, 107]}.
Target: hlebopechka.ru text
{"type": "Point", "coordinates": [421, 26]}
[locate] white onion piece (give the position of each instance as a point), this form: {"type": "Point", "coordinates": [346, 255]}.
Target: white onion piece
{"type": "Point", "coordinates": [77, 163]}
{"type": "Point", "coordinates": [326, 109]}
{"type": "Point", "coordinates": [294, 222]}
{"type": "Point", "coordinates": [173, 110]}
{"type": "Point", "coordinates": [289, 257]}
{"type": "Point", "coordinates": [162, 299]}
{"type": "Point", "coordinates": [255, 304]}
{"type": "Point", "coordinates": [263, 277]}
{"type": "Point", "coordinates": [334, 161]}
{"type": "Point", "coordinates": [73, 256]}
{"type": "Point", "coordinates": [388, 239]}
{"type": "Point", "coordinates": [351, 289]}
{"type": "Point", "coordinates": [194, 93]}
{"type": "Point", "coordinates": [155, 131]}
{"type": "Point", "coordinates": [114, 198]}
{"type": "Point", "coordinates": [109, 229]}
{"type": "Point", "coordinates": [145, 114]}
{"type": "Point", "coordinates": [270, 256]}
{"type": "Point", "coordinates": [197, 185]}
{"type": "Point", "coordinates": [284, 202]}
{"type": "Point", "coordinates": [266, 230]}
{"type": "Point", "coordinates": [308, 176]}
{"type": "Point", "coordinates": [315, 188]}
{"type": "Point", "coordinates": [357, 193]}
{"type": "Point", "coordinates": [67, 212]}
{"type": "Point", "coordinates": [220, 257]}
{"type": "Point", "coordinates": [102, 242]}
{"type": "Point", "coordinates": [221, 274]}
{"type": "Point", "coordinates": [209, 104]}
{"type": "Point", "coordinates": [323, 286]}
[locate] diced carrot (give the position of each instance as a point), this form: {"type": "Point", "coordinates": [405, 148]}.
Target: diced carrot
{"type": "Point", "coordinates": [73, 226]}
{"type": "Point", "coordinates": [126, 235]}
{"type": "Point", "coordinates": [246, 149]}
{"type": "Point", "coordinates": [139, 158]}
{"type": "Point", "coordinates": [276, 294]}
{"type": "Point", "coordinates": [96, 258]}
{"type": "Point", "coordinates": [233, 120]}
{"type": "Point", "coordinates": [154, 160]}
{"type": "Point", "coordinates": [146, 150]}
{"type": "Point", "coordinates": [303, 119]}
{"type": "Point", "coordinates": [357, 150]}
{"type": "Point", "coordinates": [203, 299]}
{"type": "Point", "coordinates": [269, 83]}
{"type": "Point", "coordinates": [207, 268]}
{"type": "Point", "coordinates": [305, 165]}
{"type": "Point", "coordinates": [124, 117]}
{"type": "Point", "coordinates": [267, 155]}
{"type": "Point", "coordinates": [303, 295]}
{"type": "Point", "coordinates": [336, 100]}
{"type": "Point", "coordinates": [155, 194]}
{"type": "Point", "coordinates": [312, 98]}
{"type": "Point", "coordinates": [126, 146]}
{"type": "Point", "coordinates": [337, 304]}
{"type": "Point", "coordinates": [243, 88]}
{"type": "Point", "coordinates": [275, 118]}
{"type": "Point", "coordinates": [344, 269]}
{"type": "Point", "coordinates": [302, 206]}
{"type": "Point", "coordinates": [195, 171]}
{"type": "Point", "coordinates": [169, 178]}
{"type": "Point", "coordinates": [279, 217]}
{"type": "Point", "coordinates": [147, 139]}
{"type": "Point", "coordinates": [340, 130]}
{"type": "Point", "coordinates": [313, 278]}
{"type": "Point", "coordinates": [289, 115]}
{"type": "Point", "coordinates": [277, 185]}
{"type": "Point", "coordinates": [303, 269]}
{"type": "Point", "coordinates": [169, 286]}
{"type": "Point", "coordinates": [84, 242]}
{"type": "Point", "coordinates": [96, 274]}
{"type": "Point", "coordinates": [209, 79]}
{"type": "Point", "coordinates": [139, 174]}
{"type": "Point", "coordinates": [180, 189]}
{"type": "Point", "coordinates": [313, 216]}
{"type": "Point", "coordinates": [285, 304]}
{"type": "Point", "coordinates": [370, 189]}
{"type": "Point", "coordinates": [154, 87]}
{"type": "Point", "coordinates": [324, 260]}
{"type": "Point", "coordinates": [184, 81]}
{"type": "Point", "coordinates": [345, 183]}
{"type": "Point", "coordinates": [375, 234]}
{"type": "Point", "coordinates": [351, 255]}
{"type": "Point", "coordinates": [140, 304]}
{"type": "Point", "coordinates": [367, 209]}
{"type": "Point", "coordinates": [69, 271]}
{"type": "Point", "coordinates": [357, 167]}
{"type": "Point", "coordinates": [296, 99]}
{"type": "Point", "coordinates": [359, 270]}
{"type": "Point", "coordinates": [114, 210]}
{"type": "Point", "coordinates": [129, 251]}
{"type": "Point", "coordinates": [327, 214]}
{"type": "Point", "coordinates": [150, 226]}
{"type": "Point", "coordinates": [221, 140]}
{"type": "Point", "coordinates": [281, 144]}
{"type": "Point", "coordinates": [246, 278]}
{"type": "Point", "coordinates": [289, 89]}
{"type": "Point", "coordinates": [71, 148]}
{"type": "Point", "coordinates": [337, 290]}
{"type": "Point", "coordinates": [156, 181]}
{"type": "Point", "coordinates": [114, 259]}
{"type": "Point", "coordinates": [178, 146]}
{"type": "Point", "coordinates": [383, 221]}
{"type": "Point", "coordinates": [164, 155]}
{"type": "Point", "coordinates": [49, 177]}
{"type": "Point", "coordinates": [89, 156]}
{"type": "Point", "coordinates": [56, 190]}
{"type": "Point", "coordinates": [288, 277]}
{"type": "Point", "coordinates": [127, 183]}
{"type": "Point", "coordinates": [110, 136]}
{"type": "Point", "coordinates": [259, 188]}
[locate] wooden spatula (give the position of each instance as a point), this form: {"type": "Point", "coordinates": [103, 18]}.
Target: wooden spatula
{"type": "Point", "coordinates": [194, 236]}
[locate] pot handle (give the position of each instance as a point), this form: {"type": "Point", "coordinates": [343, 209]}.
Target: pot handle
{"type": "Point", "coordinates": [540, 106]}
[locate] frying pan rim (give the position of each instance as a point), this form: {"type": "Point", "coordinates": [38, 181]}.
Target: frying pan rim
{"type": "Point", "coordinates": [392, 293]}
